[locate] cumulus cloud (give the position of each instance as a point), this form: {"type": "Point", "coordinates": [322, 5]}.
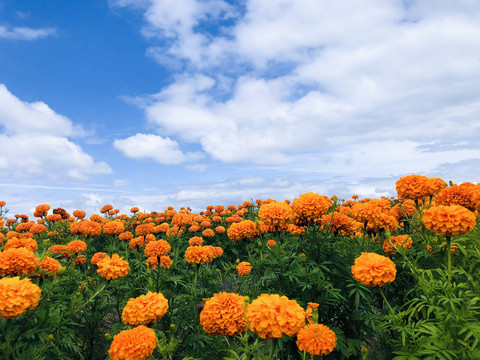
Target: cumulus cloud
{"type": "Point", "coordinates": [25, 33]}
{"type": "Point", "coordinates": [35, 143]}
{"type": "Point", "coordinates": [274, 82]}
{"type": "Point", "coordinates": [150, 146]}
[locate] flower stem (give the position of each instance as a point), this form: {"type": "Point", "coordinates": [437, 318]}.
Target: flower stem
{"type": "Point", "coordinates": [449, 258]}
{"type": "Point", "coordinates": [385, 299]}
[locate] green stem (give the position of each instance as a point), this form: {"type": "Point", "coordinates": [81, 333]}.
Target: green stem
{"type": "Point", "coordinates": [273, 347]}
{"type": "Point", "coordinates": [449, 258]}
{"type": "Point", "coordinates": [385, 299]}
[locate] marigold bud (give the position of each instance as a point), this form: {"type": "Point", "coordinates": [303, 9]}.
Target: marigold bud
{"type": "Point", "coordinates": [61, 270]}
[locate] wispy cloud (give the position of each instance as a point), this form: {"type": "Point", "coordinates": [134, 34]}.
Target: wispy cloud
{"type": "Point", "coordinates": [25, 33]}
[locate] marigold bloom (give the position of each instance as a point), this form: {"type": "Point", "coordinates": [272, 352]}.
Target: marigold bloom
{"type": "Point", "coordinates": [217, 252]}
{"type": "Point", "coordinates": [112, 267]}
{"type": "Point", "coordinates": [17, 296]}
{"type": "Point", "coordinates": [157, 248]}
{"type": "Point", "coordinates": [134, 209]}
{"type": "Point", "coordinates": [97, 257]}
{"type": "Point", "coordinates": [81, 259]}
{"type": "Point", "coordinates": [79, 214]}
{"type": "Point", "coordinates": [17, 261]}
{"type": "Point", "coordinates": [165, 262]}
{"type": "Point", "coordinates": [106, 208]}
{"type": "Point", "coordinates": [145, 309]}
{"type": "Point", "coordinates": [49, 264]}
{"type": "Point", "coordinates": [2, 203]}
{"type": "Point", "coordinates": [277, 214]}
{"type": "Point", "coordinates": [310, 206]}
{"type": "Point", "coordinates": [372, 269]}
{"type": "Point", "coordinates": [398, 241]}
{"type": "Point", "coordinates": [339, 223]}
{"type": "Point", "coordinates": [127, 235]}
{"type": "Point", "coordinates": [415, 187]}
{"type": "Point", "coordinates": [136, 243]}
{"type": "Point", "coordinates": [316, 339]}
{"type": "Point", "coordinates": [61, 250]}
{"type": "Point", "coordinates": [271, 242]}
{"type": "Point", "coordinates": [208, 233]}
{"type": "Point", "coordinates": [199, 254]}
{"type": "Point", "coordinates": [457, 195]}
{"type": "Point", "coordinates": [15, 243]}
{"type": "Point", "coordinates": [272, 316]}
{"type": "Point", "coordinates": [224, 314]}
{"type": "Point", "coordinates": [77, 246]}
{"type": "Point", "coordinates": [54, 217]}
{"type": "Point", "coordinates": [136, 344]}
{"type": "Point", "coordinates": [113, 228]}
{"type": "Point", "coordinates": [144, 229]}
{"type": "Point", "coordinates": [244, 268]}
{"type": "Point", "coordinates": [220, 229]}
{"type": "Point", "coordinates": [449, 220]}
{"type": "Point", "coordinates": [38, 229]}
{"type": "Point", "coordinates": [241, 230]}
{"type": "Point", "coordinates": [196, 241]}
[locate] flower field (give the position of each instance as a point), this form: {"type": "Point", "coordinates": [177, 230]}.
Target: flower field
{"type": "Point", "coordinates": [313, 278]}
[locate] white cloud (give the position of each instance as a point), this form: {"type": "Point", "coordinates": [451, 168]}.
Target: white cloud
{"type": "Point", "coordinates": [150, 146]}
{"type": "Point", "coordinates": [25, 33]}
{"type": "Point", "coordinates": [35, 144]}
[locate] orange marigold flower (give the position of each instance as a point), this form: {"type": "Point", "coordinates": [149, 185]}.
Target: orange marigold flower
{"type": "Point", "coordinates": [199, 254]}
{"type": "Point", "coordinates": [79, 214]}
{"type": "Point", "coordinates": [399, 240]}
{"type": "Point", "coordinates": [17, 296]}
{"type": "Point", "coordinates": [136, 243]}
{"type": "Point", "coordinates": [17, 261]}
{"type": "Point", "coordinates": [2, 203]}
{"type": "Point", "coordinates": [113, 228]}
{"type": "Point", "coordinates": [310, 206]}
{"type": "Point", "coordinates": [134, 209]}
{"type": "Point", "coordinates": [449, 220]}
{"type": "Point", "coordinates": [244, 268]}
{"type": "Point", "coordinates": [112, 267]}
{"type": "Point", "coordinates": [38, 229]}
{"type": "Point", "coordinates": [81, 259]}
{"type": "Point", "coordinates": [144, 229]}
{"type": "Point", "coordinates": [220, 229]}
{"type": "Point", "coordinates": [127, 235]}
{"type": "Point", "coordinates": [49, 264]}
{"type": "Point", "coordinates": [77, 246]}
{"type": "Point", "coordinates": [182, 219]}
{"type": "Point", "coordinates": [457, 195]}
{"type": "Point", "coordinates": [135, 344]}
{"type": "Point", "coordinates": [60, 249]}
{"type": "Point", "coordinates": [224, 314]}
{"type": "Point", "coordinates": [90, 228]}
{"type": "Point", "coordinates": [415, 187]}
{"type": "Point", "coordinates": [381, 221]}
{"type": "Point", "coordinates": [157, 248]}
{"type": "Point", "coordinates": [316, 339]}
{"type": "Point", "coordinates": [271, 242]}
{"type": "Point", "coordinates": [106, 208]}
{"type": "Point", "coordinates": [217, 251]}
{"type": "Point", "coordinates": [15, 243]}
{"type": "Point", "coordinates": [241, 230]}
{"type": "Point", "coordinates": [54, 217]}
{"type": "Point", "coordinates": [97, 257]}
{"type": "Point", "coordinates": [277, 214]}
{"type": "Point", "coordinates": [196, 241]}
{"type": "Point", "coordinates": [372, 269]}
{"type": "Point", "coordinates": [339, 223]}
{"type": "Point", "coordinates": [208, 233]}
{"type": "Point", "coordinates": [145, 309]}
{"type": "Point", "coordinates": [272, 316]}
{"type": "Point", "coordinates": [165, 262]}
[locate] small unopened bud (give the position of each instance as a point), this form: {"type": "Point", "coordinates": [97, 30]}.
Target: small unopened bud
{"type": "Point", "coordinates": [172, 326]}
{"type": "Point", "coordinates": [46, 242]}
{"type": "Point", "coordinates": [108, 336]}
{"type": "Point", "coordinates": [61, 270]}
{"type": "Point", "coordinates": [303, 257]}
{"type": "Point", "coordinates": [364, 352]}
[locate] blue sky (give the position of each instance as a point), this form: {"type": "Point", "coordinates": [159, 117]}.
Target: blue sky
{"type": "Point", "coordinates": [153, 103]}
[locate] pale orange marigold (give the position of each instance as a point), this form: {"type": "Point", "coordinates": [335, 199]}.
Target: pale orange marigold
{"type": "Point", "coordinates": [372, 269]}
{"type": "Point", "coordinates": [316, 339]}
{"type": "Point", "coordinates": [112, 267]}
{"type": "Point", "coordinates": [145, 309]}
{"type": "Point", "coordinates": [244, 268]}
{"type": "Point", "coordinates": [17, 296]}
{"type": "Point", "coordinates": [224, 314]}
{"type": "Point", "coordinates": [17, 261]}
{"type": "Point", "coordinates": [136, 344]}
{"type": "Point", "coordinates": [449, 220]}
{"type": "Point", "coordinates": [272, 316]}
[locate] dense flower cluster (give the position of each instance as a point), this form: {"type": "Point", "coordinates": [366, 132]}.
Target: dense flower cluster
{"type": "Point", "coordinates": [449, 220]}
{"type": "Point", "coordinates": [417, 187]}
{"type": "Point", "coordinates": [17, 261]}
{"type": "Point", "coordinates": [17, 296]}
{"type": "Point", "coordinates": [112, 267]}
{"type": "Point", "coordinates": [458, 195]}
{"type": "Point", "coordinates": [272, 316]}
{"type": "Point", "coordinates": [145, 309]}
{"type": "Point", "coordinates": [224, 314]}
{"type": "Point", "coordinates": [372, 269]}
{"type": "Point", "coordinates": [316, 339]}
{"type": "Point", "coordinates": [135, 344]}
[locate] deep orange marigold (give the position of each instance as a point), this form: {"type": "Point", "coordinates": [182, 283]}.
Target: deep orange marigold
{"type": "Point", "coordinates": [145, 309]}
{"type": "Point", "coordinates": [38, 229]}
{"type": "Point", "coordinates": [17, 261]}
{"type": "Point", "coordinates": [316, 339]}
{"type": "Point", "coordinates": [136, 344]}
{"type": "Point", "coordinates": [144, 229]}
{"type": "Point", "coordinates": [27, 243]}
{"type": "Point", "coordinates": [224, 314]}
{"type": "Point", "coordinates": [17, 296]}
{"type": "Point", "coordinates": [77, 246]}
{"type": "Point", "coordinates": [400, 240]}
{"type": "Point", "coordinates": [310, 206]}
{"type": "Point", "coordinates": [244, 268]}
{"type": "Point", "coordinates": [196, 241]}
{"type": "Point", "coordinates": [113, 267]}
{"type": "Point", "coordinates": [113, 228]}
{"type": "Point", "coordinates": [157, 248]}
{"type": "Point", "coordinates": [272, 316]}
{"type": "Point", "coordinates": [415, 187]}
{"type": "Point", "coordinates": [241, 230]}
{"type": "Point", "coordinates": [277, 214]}
{"type": "Point", "coordinates": [127, 235]}
{"type": "Point", "coordinates": [199, 254]}
{"type": "Point", "coordinates": [97, 257]}
{"type": "Point", "coordinates": [165, 262]}
{"type": "Point", "coordinates": [372, 269]}
{"type": "Point", "coordinates": [449, 220]}
{"type": "Point", "coordinates": [49, 264]}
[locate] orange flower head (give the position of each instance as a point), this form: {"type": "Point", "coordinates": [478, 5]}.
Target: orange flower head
{"type": "Point", "coordinates": [449, 220]}
{"type": "Point", "coordinates": [79, 214]}
{"type": "Point", "coordinates": [241, 230]}
{"type": "Point", "coordinates": [113, 228]}
{"type": "Point", "coordinates": [15, 243]}
{"type": "Point", "coordinates": [224, 314]}
{"type": "Point", "coordinates": [400, 240]}
{"type": "Point", "coordinates": [310, 206]}
{"type": "Point", "coordinates": [61, 250]}
{"type": "Point", "coordinates": [77, 246]}
{"type": "Point", "coordinates": [196, 241]}
{"type": "Point", "coordinates": [136, 243]}
{"type": "Point", "coordinates": [97, 257]}
{"type": "Point", "coordinates": [157, 248]}
{"type": "Point", "coordinates": [415, 187]}
{"type": "Point", "coordinates": [165, 262]}
{"type": "Point", "coordinates": [144, 229]}
{"type": "Point", "coordinates": [272, 316]}
{"type": "Point", "coordinates": [372, 269]}
{"type": "Point", "coordinates": [17, 261]}
{"type": "Point", "coordinates": [199, 254]}
{"type": "Point", "coordinates": [145, 309]}
{"type": "Point", "coordinates": [277, 214]}
{"type": "Point", "coordinates": [38, 229]}
{"type": "Point", "coordinates": [220, 229]}
{"type": "Point", "coordinates": [316, 339]}
{"type": "Point", "coordinates": [208, 233]}
{"type": "Point", "coordinates": [17, 296]}
{"type": "Point", "coordinates": [136, 344]}
{"type": "Point", "coordinates": [106, 208]}
{"type": "Point", "coordinates": [113, 267]}
{"type": "Point", "coordinates": [244, 268]}
{"type": "Point", "coordinates": [457, 195]}
{"type": "Point", "coordinates": [49, 264]}
{"type": "Point", "coordinates": [125, 236]}
{"type": "Point", "coordinates": [217, 252]}
{"type": "Point", "coordinates": [271, 242]}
